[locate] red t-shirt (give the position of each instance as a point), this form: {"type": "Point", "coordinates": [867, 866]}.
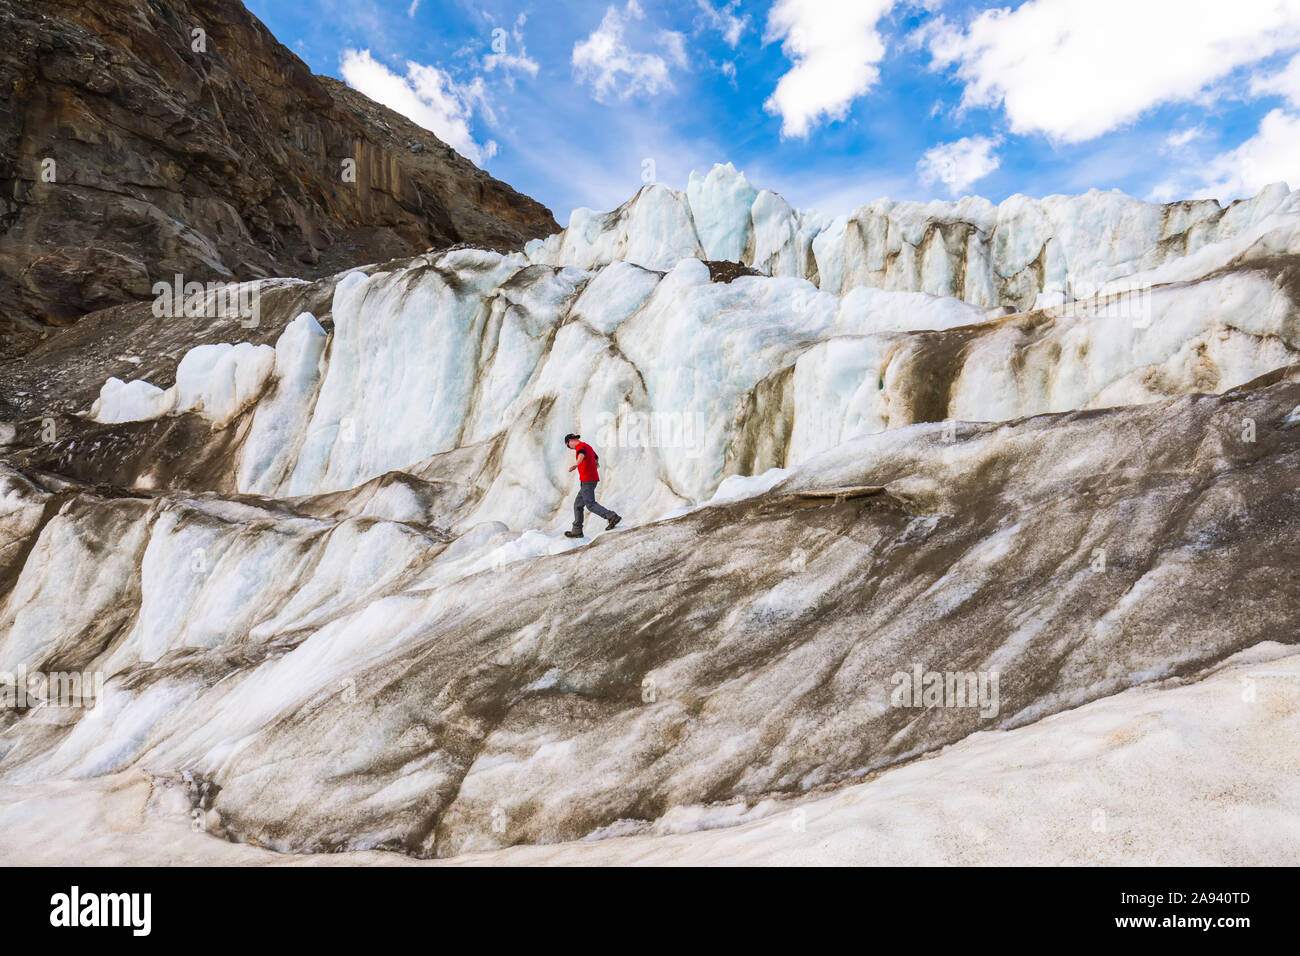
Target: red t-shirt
{"type": "Point", "coordinates": [587, 465]}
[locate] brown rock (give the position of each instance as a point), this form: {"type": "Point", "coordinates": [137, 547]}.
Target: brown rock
{"type": "Point", "coordinates": [77, 279]}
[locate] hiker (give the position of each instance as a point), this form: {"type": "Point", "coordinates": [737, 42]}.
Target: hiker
{"type": "Point", "coordinates": [587, 478]}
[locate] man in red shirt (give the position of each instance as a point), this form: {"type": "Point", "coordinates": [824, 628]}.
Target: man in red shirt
{"type": "Point", "coordinates": [587, 478]}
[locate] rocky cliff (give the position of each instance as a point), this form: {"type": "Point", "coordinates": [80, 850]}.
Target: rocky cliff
{"type": "Point", "coordinates": [133, 148]}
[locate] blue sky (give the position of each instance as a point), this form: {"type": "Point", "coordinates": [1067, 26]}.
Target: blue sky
{"type": "Point", "coordinates": [832, 103]}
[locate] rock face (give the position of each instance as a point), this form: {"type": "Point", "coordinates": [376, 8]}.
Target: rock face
{"type": "Point", "coordinates": [133, 149]}
{"type": "Point", "coordinates": [319, 568]}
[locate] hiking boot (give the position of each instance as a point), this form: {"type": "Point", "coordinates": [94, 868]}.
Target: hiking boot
{"type": "Point", "coordinates": [573, 533]}
{"type": "Point", "coordinates": [613, 522]}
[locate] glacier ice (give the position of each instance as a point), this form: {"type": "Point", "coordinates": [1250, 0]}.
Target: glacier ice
{"type": "Point", "coordinates": [905, 439]}
{"type": "Point", "coordinates": [216, 381]}
{"type": "Point", "coordinates": [970, 249]}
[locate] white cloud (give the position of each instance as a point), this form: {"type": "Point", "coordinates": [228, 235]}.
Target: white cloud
{"type": "Point", "coordinates": [1271, 155]}
{"type": "Point", "coordinates": [674, 45]}
{"type": "Point", "coordinates": [1074, 69]}
{"type": "Point", "coordinates": [425, 95]}
{"type": "Point", "coordinates": [724, 20]}
{"type": "Point", "coordinates": [835, 48]}
{"type": "Point", "coordinates": [960, 163]}
{"type": "Point", "coordinates": [510, 62]}
{"type": "Point", "coordinates": [1180, 138]}
{"type": "Point", "coordinates": [611, 66]}
{"type": "Point", "coordinates": [502, 56]}
{"type": "Point", "coordinates": [415, 5]}
{"type": "Point", "coordinates": [1285, 83]}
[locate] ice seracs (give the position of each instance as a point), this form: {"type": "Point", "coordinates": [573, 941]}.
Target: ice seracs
{"type": "Point", "coordinates": [968, 248]}
{"type": "Point", "coordinates": [279, 423]}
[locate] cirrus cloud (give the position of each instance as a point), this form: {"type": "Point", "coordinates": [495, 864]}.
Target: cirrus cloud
{"type": "Point", "coordinates": [607, 61]}
{"type": "Point", "coordinates": [1272, 155]}
{"type": "Point", "coordinates": [504, 58]}
{"type": "Point", "coordinates": [724, 20]}
{"type": "Point", "coordinates": [1284, 83]}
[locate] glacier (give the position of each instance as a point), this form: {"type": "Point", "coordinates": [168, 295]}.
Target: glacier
{"type": "Point", "coordinates": [319, 561]}
{"type": "Point", "coordinates": [503, 348]}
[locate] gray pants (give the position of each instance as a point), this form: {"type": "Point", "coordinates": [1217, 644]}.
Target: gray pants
{"type": "Point", "coordinates": [587, 499]}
